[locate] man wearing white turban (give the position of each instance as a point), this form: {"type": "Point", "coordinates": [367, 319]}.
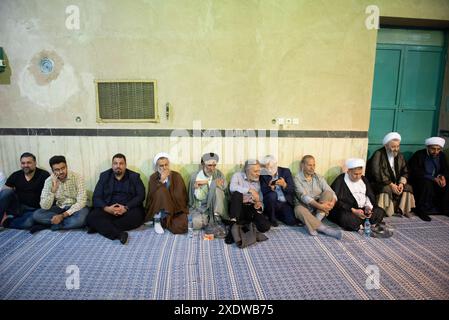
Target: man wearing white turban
{"type": "Point", "coordinates": [167, 197]}
{"type": "Point", "coordinates": [207, 200]}
{"type": "Point", "coordinates": [356, 200]}
{"type": "Point", "coordinates": [429, 174]}
{"type": "Point", "coordinates": [388, 174]}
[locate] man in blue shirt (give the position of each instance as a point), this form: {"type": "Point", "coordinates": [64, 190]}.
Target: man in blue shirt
{"type": "Point", "coordinates": [278, 191]}
{"type": "Point", "coordinates": [246, 197]}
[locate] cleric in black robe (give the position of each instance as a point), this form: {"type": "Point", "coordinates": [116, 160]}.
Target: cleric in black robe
{"type": "Point", "coordinates": [429, 174]}
{"type": "Point", "coordinates": [355, 198]}
{"type": "Point", "coordinates": [387, 173]}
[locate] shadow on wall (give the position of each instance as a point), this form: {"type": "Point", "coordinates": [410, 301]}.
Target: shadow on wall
{"type": "Point", "coordinates": [5, 76]}
{"type": "Point", "coordinates": [332, 173]}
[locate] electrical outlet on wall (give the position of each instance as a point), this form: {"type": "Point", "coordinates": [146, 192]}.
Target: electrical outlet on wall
{"type": "Point", "coordinates": [288, 121]}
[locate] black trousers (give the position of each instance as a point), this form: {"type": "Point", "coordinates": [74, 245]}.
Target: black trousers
{"type": "Point", "coordinates": [245, 213]}
{"type": "Point", "coordinates": [112, 226]}
{"type": "Point", "coordinates": [350, 222]}
{"type": "Point", "coordinates": [431, 198]}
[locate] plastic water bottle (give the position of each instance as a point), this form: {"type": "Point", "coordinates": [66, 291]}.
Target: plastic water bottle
{"type": "Point", "coordinates": [190, 226]}
{"type": "Point", "coordinates": [367, 226]}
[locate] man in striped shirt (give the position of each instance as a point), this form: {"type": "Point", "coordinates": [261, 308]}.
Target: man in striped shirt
{"type": "Point", "coordinates": [63, 199]}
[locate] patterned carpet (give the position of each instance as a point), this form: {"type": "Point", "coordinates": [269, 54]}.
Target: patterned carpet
{"type": "Point", "coordinates": [413, 264]}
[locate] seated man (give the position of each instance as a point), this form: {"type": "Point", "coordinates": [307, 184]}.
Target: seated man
{"type": "Point", "coordinates": [246, 197]}
{"type": "Point", "coordinates": [356, 200]}
{"type": "Point", "coordinates": [278, 192]}
{"type": "Point", "coordinates": [387, 172]}
{"type": "Point", "coordinates": [167, 197]}
{"type": "Point", "coordinates": [207, 196]}
{"type": "Point", "coordinates": [118, 202]}
{"type": "Point", "coordinates": [63, 199]}
{"type": "Point", "coordinates": [314, 199]}
{"type": "Point", "coordinates": [21, 193]}
{"type": "Point", "coordinates": [429, 173]}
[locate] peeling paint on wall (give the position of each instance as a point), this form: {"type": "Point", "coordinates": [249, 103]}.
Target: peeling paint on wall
{"type": "Point", "coordinates": [50, 90]}
{"type": "Point", "coordinates": [41, 77]}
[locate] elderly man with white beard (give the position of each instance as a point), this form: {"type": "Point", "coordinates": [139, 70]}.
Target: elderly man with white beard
{"type": "Point", "coordinates": [388, 175]}
{"type": "Point", "coordinates": [207, 200]}
{"type": "Point", "coordinates": [278, 191]}
{"type": "Point", "coordinates": [356, 200]}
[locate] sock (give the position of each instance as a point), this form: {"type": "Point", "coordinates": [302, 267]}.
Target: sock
{"type": "Point", "coordinates": [6, 222]}
{"type": "Point", "coordinates": [336, 233]}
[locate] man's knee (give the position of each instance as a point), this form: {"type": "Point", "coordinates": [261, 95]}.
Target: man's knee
{"type": "Point", "coordinates": [6, 193]}
{"type": "Point", "coordinates": [327, 196]}
{"type": "Point", "coordinates": [262, 223]}
{"type": "Point", "coordinates": [94, 215]}
{"type": "Point", "coordinates": [39, 215]}
{"type": "Point", "coordinates": [78, 219]}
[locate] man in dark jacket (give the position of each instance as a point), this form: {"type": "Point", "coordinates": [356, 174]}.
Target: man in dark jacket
{"type": "Point", "coordinates": [388, 174]}
{"type": "Point", "coordinates": [118, 202]}
{"type": "Point", "coordinates": [356, 200]}
{"type": "Point", "coordinates": [429, 174]}
{"type": "Point", "coordinates": [278, 190]}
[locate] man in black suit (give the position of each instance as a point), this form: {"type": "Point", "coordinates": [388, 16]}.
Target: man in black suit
{"type": "Point", "coordinates": [429, 174]}
{"type": "Point", "coordinates": [118, 202]}
{"type": "Point", "coordinates": [278, 191]}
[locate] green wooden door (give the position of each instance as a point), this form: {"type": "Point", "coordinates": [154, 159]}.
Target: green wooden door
{"type": "Point", "coordinates": [406, 89]}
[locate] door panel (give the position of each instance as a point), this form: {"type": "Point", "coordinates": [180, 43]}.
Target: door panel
{"type": "Point", "coordinates": [421, 79]}
{"type": "Point", "coordinates": [381, 121]}
{"type": "Point", "coordinates": [386, 77]}
{"type": "Point", "coordinates": [415, 126]}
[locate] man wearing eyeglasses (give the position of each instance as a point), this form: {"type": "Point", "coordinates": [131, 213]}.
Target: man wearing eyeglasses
{"type": "Point", "coordinates": [63, 199]}
{"type": "Point", "coordinates": [207, 196]}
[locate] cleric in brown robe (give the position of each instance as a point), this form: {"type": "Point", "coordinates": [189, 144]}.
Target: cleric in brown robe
{"type": "Point", "coordinates": [388, 174]}
{"type": "Point", "coordinates": [167, 197]}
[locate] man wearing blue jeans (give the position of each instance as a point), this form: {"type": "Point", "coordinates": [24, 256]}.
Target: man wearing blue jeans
{"type": "Point", "coordinates": [63, 199]}
{"type": "Point", "coordinates": [20, 196]}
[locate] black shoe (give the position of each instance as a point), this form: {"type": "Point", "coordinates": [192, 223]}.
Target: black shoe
{"type": "Point", "coordinates": [229, 239]}
{"type": "Point", "coordinates": [274, 223]}
{"type": "Point", "coordinates": [37, 227]}
{"type": "Point", "coordinates": [124, 238]}
{"type": "Point", "coordinates": [6, 222]}
{"type": "Point", "coordinates": [299, 223]}
{"type": "Point", "coordinates": [425, 217]}
{"type": "Point", "coordinates": [91, 230]}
